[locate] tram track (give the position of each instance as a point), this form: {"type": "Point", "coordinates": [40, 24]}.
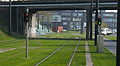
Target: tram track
{"type": "Point", "coordinates": [52, 53]}
{"type": "Point", "coordinates": [75, 49]}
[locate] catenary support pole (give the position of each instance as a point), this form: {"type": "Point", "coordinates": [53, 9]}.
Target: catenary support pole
{"type": "Point", "coordinates": [87, 26]}
{"type": "Point", "coordinates": [91, 11]}
{"type": "Point", "coordinates": [81, 31]}
{"type": "Point", "coordinates": [96, 19]}
{"type": "Point", "coordinates": [118, 35]}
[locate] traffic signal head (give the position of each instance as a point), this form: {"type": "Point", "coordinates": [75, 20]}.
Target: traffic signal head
{"type": "Point", "coordinates": [26, 17]}
{"type": "Point", "coordinates": [99, 21]}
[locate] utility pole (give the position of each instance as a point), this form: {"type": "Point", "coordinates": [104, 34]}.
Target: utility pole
{"type": "Point", "coordinates": [10, 16]}
{"type": "Point", "coordinates": [96, 20]}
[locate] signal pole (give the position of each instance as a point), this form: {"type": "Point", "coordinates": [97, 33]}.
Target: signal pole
{"type": "Point", "coordinates": [26, 19]}
{"type": "Point", "coordinates": [27, 40]}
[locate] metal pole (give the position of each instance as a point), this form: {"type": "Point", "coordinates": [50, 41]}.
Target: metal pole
{"type": "Point", "coordinates": [17, 20]}
{"type": "Point", "coordinates": [82, 21]}
{"type": "Point", "coordinates": [10, 16]}
{"type": "Point", "coordinates": [87, 26]}
{"type": "Point", "coordinates": [27, 40]}
{"type": "Point", "coordinates": [27, 37]}
{"type": "Point", "coordinates": [91, 11]}
{"type": "Point", "coordinates": [118, 35]}
{"type": "Point", "coordinates": [96, 19]}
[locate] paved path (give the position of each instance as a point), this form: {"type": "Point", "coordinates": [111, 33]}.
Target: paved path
{"type": "Point", "coordinates": [6, 49]}
{"type": "Point", "coordinates": [88, 56]}
{"type": "Point", "coordinates": [111, 45]}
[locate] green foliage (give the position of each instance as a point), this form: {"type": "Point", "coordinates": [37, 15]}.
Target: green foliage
{"type": "Point", "coordinates": [44, 16]}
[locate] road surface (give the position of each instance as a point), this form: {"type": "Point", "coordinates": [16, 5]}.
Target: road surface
{"type": "Point", "coordinates": [111, 45]}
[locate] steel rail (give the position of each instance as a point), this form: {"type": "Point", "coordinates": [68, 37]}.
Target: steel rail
{"type": "Point", "coordinates": [52, 53]}
{"type": "Point", "coordinates": [73, 54]}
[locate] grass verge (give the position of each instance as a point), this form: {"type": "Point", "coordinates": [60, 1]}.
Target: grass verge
{"type": "Point", "coordinates": [102, 59]}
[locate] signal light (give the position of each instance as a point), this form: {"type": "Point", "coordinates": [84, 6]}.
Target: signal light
{"type": "Point", "coordinates": [26, 17]}
{"type": "Point", "coordinates": [99, 21]}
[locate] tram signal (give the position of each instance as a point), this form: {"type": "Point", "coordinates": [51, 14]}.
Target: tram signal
{"type": "Point", "coordinates": [26, 17]}
{"type": "Point", "coordinates": [99, 21]}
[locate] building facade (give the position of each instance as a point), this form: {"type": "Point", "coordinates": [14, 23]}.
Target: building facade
{"type": "Point", "coordinates": [76, 19]}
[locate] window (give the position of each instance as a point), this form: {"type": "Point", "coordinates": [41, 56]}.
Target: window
{"type": "Point", "coordinates": [76, 19]}
{"type": "Point", "coordinates": [66, 18]}
{"type": "Point", "coordinates": [111, 15]}
{"type": "Point", "coordinates": [74, 14]}
{"type": "Point", "coordinates": [56, 18]}
{"type": "Point", "coordinates": [64, 23]}
{"type": "Point", "coordinates": [66, 14]}
{"type": "Point", "coordinates": [109, 20]}
{"type": "Point", "coordinates": [79, 14]}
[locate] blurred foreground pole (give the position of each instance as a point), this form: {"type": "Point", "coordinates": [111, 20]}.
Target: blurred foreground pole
{"type": "Point", "coordinates": [118, 35]}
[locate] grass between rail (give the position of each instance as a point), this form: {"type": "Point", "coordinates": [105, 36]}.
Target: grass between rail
{"type": "Point", "coordinates": [39, 49]}
{"type": "Point", "coordinates": [67, 34]}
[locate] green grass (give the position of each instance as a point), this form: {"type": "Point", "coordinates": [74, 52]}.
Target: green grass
{"type": "Point", "coordinates": [102, 59]}
{"type": "Point", "coordinates": [111, 37]}
{"type": "Point", "coordinates": [67, 34]}
{"type": "Point", "coordinates": [4, 36]}
{"type": "Point", "coordinates": [79, 58]}
{"type": "Point", "coordinates": [39, 49]}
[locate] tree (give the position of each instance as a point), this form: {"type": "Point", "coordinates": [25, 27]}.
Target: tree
{"type": "Point", "coordinates": [44, 16]}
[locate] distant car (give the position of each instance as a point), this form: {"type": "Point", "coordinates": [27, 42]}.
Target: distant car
{"type": "Point", "coordinates": [114, 30]}
{"type": "Point", "coordinates": [106, 31]}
